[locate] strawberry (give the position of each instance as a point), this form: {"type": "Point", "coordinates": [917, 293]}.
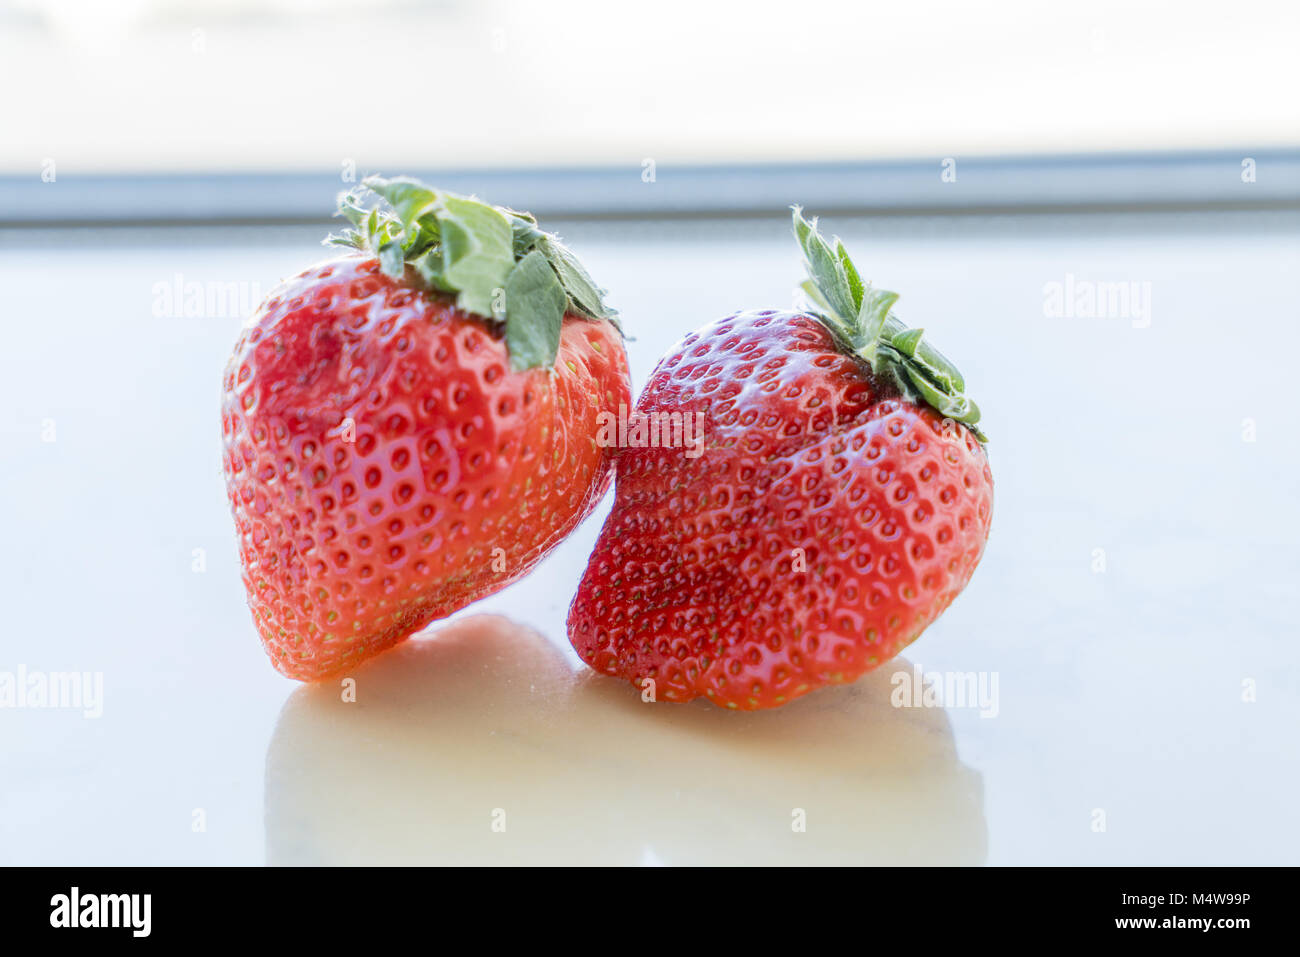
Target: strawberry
{"type": "Point", "coordinates": [840, 502]}
{"type": "Point", "coordinates": [412, 426]}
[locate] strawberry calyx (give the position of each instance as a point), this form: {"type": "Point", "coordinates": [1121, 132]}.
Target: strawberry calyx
{"type": "Point", "coordinates": [860, 317]}
{"type": "Point", "coordinates": [496, 261]}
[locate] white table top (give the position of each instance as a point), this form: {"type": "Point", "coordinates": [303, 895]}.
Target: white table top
{"type": "Point", "coordinates": [1159, 697]}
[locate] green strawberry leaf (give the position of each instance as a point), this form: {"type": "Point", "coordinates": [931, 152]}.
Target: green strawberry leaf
{"type": "Point", "coordinates": [583, 294]}
{"type": "Point", "coordinates": [429, 268]}
{"type": "Point", "coordinates": [870, 321]}
{"type": "Point", "coordinates": [391, 262]}
{"type": "Point", "coordinates": [937, 364]}
{"type": "Point", "coordinates": [535, 303]}
{"type": "Point", "coordinates": [477, 251]}
{"type": "Point", "coordinates": [861, 318]}
{"type": "Point", "coordinates": [956, 407]}
{"type": "Point", "coordinates": [824, 267]}
{"type": "Point", "coordinates": [409, 198]}
{"type": "Point", "coordinates": [459, 245]}
{"type": "Point", "coordinates": [351, 209]}
{"type": "Point", "coordinates": [850, 272]}
{"type": "Point", "coordinates": [907, 341]}
{"type": "Point", "coordinates": [525, 233]}
{"type": "Point", "coordinates": [419, 239]}
{"type": "Point", "coordinates": [814, 295]}
{"type": "Point", "coordinates": [351, 238]}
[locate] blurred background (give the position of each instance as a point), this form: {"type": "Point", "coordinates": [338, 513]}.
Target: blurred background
{"type": "Point", "coordinates": [720, 106]}
{"type": "Point", "coordinates": [163, 165]}
{"type": "Point", "coordinates": [257, 85]}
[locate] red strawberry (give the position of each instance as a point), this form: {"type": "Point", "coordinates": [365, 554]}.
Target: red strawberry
{"type": "Point", "coordinates": [841, 502]}
{"type": "Point", "coordinates": [413, 427]}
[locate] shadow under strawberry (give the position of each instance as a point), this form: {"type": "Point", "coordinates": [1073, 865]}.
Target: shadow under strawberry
{"type": "Point", "coordinates": [481, 744]}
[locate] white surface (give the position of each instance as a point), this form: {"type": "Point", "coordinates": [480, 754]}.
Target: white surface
{"type": "Point", "coordinates": [1119, 691]}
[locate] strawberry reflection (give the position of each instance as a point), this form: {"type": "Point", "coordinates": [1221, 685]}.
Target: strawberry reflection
{"type": "Point", "coordinates": [482, 745]}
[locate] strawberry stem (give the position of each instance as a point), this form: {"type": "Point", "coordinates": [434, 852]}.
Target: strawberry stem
{"type": "Point", "coordinates": [498, 263]}
{"type": "Point", "coordinates": [860, 317]}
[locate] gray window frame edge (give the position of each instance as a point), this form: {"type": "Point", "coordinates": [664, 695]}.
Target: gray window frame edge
{"type": "Point", "coordinates": [1181, 180]}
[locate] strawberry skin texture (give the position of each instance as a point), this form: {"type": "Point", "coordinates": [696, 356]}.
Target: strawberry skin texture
{"type": "Point", "coordinates": [386, 467]}
{"type": "Point", "coordinates": [697, 581]}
